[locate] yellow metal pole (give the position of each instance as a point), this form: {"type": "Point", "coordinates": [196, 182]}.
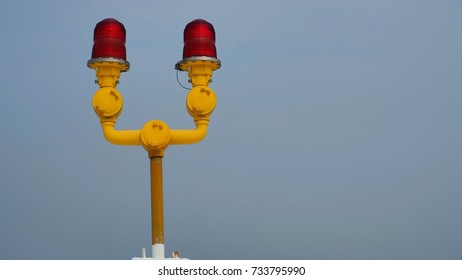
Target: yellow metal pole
{"type": "Point", "coordinates": [157, 207]}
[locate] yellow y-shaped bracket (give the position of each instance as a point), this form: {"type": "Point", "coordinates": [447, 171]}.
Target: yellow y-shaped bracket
{"type": "Point", "coordinates": [155, 136]}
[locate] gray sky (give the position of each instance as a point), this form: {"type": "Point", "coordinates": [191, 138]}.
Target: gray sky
{"type": "Point", "coordinates": [337, 133]}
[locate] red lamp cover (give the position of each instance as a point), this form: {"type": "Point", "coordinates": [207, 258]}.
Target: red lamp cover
{"type": "Point", "coordinates": [109, 40]}
{"type": "Point", "coordinates": [199, 39]}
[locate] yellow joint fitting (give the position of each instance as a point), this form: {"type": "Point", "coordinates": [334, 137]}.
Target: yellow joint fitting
{"type": "Point", "coordinates": [201, 102]}
{"type": "Point", "coordinates": [107, 103]}
{"type": "Point", "coordinates": [120, 137]}
{"type": "Point", "coordinates": [108, 73]}
{"type": "Point", "coordinates": [199, 71]}
{"type": "Point", "coordinates": [155, 136]}
{"type": "Point", "coordinates": [190, 136]}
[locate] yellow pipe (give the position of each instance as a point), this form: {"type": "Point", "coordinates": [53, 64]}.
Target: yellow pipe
{"type": "Point", "coordinates": [133, 137]}
{"type": "Point", "coordinates": [120, 137]}
{"type": "Point", "coordinates": [182, 137]}
{"type": "Point", "coordinates": [157, 206]}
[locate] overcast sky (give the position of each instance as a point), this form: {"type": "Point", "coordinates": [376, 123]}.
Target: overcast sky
{"type": "Point", "coordinates": [337, 133]}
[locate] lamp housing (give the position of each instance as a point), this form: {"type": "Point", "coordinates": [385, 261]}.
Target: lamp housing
{"type": "Point", "coordinates": [199, 45]}
{"type": "Point", "coordinates": [109, 44]}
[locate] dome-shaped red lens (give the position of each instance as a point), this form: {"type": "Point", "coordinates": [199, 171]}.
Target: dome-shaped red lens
{"type": "Point", "coordinates": [199, 39]}
{"type": "Point", "coordinates": [109, 40]}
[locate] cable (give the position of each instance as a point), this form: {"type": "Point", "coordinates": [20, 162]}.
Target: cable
{"type": "Point", "coordinates": [180, 82]}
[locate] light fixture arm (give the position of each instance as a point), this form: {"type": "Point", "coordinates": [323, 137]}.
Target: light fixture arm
{"type": "Point", "coordinates": [155, 136]}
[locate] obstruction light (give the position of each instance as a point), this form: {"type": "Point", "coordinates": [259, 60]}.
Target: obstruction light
{"type": "Point", "coordinates": [108, 58]}
{"type": "Point", "coordinates": [109, 44]}
{"type": "Point", "coordinates": [199, 45]}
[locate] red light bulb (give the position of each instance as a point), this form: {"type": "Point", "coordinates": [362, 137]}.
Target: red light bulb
{"type": "Point", "coordinates": [199, 39]}
{"type": "Point", "coordinates": [109, 42]}
{"type": "Point", "coordinates": [199, 44]}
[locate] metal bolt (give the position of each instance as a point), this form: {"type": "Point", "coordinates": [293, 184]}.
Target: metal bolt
{"type": "Point", "coordinates": [205, 90]}
{"type": "Point", "coordinates": [99, 109]}
{"type": "Point", "coordinates": [197, 109]}
{"type": "Point", "coordinates": [157, 125]}
{"type": "Point", "coordinates": [113, 93]}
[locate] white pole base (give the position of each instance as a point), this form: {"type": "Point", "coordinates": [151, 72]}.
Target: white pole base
{"type": "Point", "coordinates": [158, 253]}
